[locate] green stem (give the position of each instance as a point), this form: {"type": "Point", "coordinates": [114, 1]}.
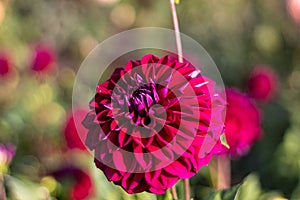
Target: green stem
{"type": "Point", "coordinates": [180, 59]}
{"type": "Point", "coordinates": [2, 188]}
{"type": "Point", "coordinates": [223, 172]}
{"type": "Point", "coordinates": [174, 193]}
{"type": "Point", "coordinates": [177, 31]}
{"type": "Point", "coordinates": [187, 189]}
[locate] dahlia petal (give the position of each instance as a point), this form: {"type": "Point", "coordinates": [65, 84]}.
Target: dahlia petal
{"type": "Point", "coordinates": [177, 168]}
{"type": "Point", "coordinates": [121, 163]}
{"type": "Point", "coordinates": [163, 138]}
{"type": "Point", "coordinates": [179, 65]}
{"type": "Point", "coordinates": [113, 125]}
{"type": "Point", "coordinates": [149, 59]}
{"type": "Point", "coordinates": [92, 138]}
{"type": "Point", "coordinates": [151, 176]}
{"type": "Point", "coordinates": [163, 75]}
{"type": "Point", "coordinates": [88, 120]}
{"type": "Point", "coordinates": [178, 84]}
{"type": "Point", "coordinates": [158, 190]}
{"type": "Point", "coordinates": [169, 132]}
{"type": "Point", "coordinates": [147, 141]}
{"type": "Point", "coordinates": [112, 175]}
{"type": "Point", "coordinates": [164, 155]}
{"type": "Point", "coordinates": [124, 139]}
{"type": "Point", "coordinates": [164, 181]}
{"type": "Point", "coordinates": [102, 116]}
{"type": "Point", "coordinates": [162, 91]}
{"type": "Point", "coordinates": [118, 72]}
{"type": "Point", "coordinates": [106, 126]}
{"type": "Point", "coordinates": [165, 60]}
{"type": "Point", "coordinates": [131, 181]}
{"type": "Point", "coordinates": [150, 75]}
{"type": "Point", "coordinates": [102, 88]}
{"type": "Point", "coordinates": [131, 64]}
{"type": "Point", "coordinates": [143, 159]}
{"type": "Point", "coordinates": [186, 70]}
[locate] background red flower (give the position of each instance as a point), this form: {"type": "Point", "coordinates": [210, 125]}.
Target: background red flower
{"type": "Point", "coordinates": [81, 182]}
{"type": "Point", "coordinates": [43, 58]}
{"type": "Point", "coordinates": [74, 132]}
{"type": "Point", "coordinates": [5, 64]}
{"type": "Point", "coordinates": [262, 83]}
{"type": "Point", "coordinates": [242, 123]}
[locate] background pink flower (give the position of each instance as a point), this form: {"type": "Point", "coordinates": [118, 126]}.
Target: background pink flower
{"type": "Point", "coordinates": [43, 58]}
{"type": "Point", "coordinates": [5, 64]}
{"type": "Point", "coordinates": [74, 132]}
{"type": "Point", "coordinates": [293, 7]}
{"type": "Point", "coordinates": [148, 94]}
{"type": "Point", "coordinates": [7, 152]}
{"type": "Point", "coordinates": [242, 123]}
{"type": "Point", "coordinates": [262, 83]}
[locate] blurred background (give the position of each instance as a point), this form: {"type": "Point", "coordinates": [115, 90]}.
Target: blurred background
{"type": "Point", "coordinates": [43, 43]}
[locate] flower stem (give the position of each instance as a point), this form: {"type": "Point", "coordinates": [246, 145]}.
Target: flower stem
{"type": "Point", "coordinates": [2, 188]}
{"type": "Point", "coordinates": [180, 59]}
{"type": "Point", "coordinates": [177, 31]}
{"type": "Point", "coordinates": [187, 189]}
{"type": "Point", "coordinates": [174, 193]}
{"type": "Point", "coordinates": [223, 172]}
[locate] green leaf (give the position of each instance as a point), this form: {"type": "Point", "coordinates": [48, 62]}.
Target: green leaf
{"type": "Point", "coordinates": [250, 188]}
{"type": "Point", "coordinates": [224, 141]}
{"type": "Point", "coordinates": [229, 194]}
{"type": "Point", "coordinates": [23, 189]}
{"type": "Point", "coordinates": [177, 1]}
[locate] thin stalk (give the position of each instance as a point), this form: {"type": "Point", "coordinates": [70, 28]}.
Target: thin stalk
{"type": "Point", "coordinates": [177, 31]}
{"type": "Point", "coordinates": [187, 189]}
{"type": "Point", "coordinates": [223, 172]}
{"type": "Point", "coordinates": [213, 168]}
{"type": "Point", "coordinates": [174, 193]}
{"type": "Point", "coordinates": [2, 188]}
{"type": "Point", "coordinates": [180, 59]}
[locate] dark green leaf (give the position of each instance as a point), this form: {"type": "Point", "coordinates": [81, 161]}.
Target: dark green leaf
{"type": "Point", "coordinates": [229, 194]}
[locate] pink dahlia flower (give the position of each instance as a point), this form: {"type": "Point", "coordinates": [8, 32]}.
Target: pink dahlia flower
{"type": "Point", "coordinates": [5, 64]}
{"type": "Point", "coordinates": [150, 124]}
{"type": "Point", "coordinates": [43, 59]}
{"type": "Point", "coordinates": [242, 123]}
{"type": "Point", "coordinates": [74, 131]}
{"type": "Point", "coordinates": [262, 84]}
{"type": "Point", "coordinates": [81, 182]}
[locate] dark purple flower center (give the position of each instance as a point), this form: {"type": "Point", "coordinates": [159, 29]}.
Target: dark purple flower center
{"type": "Point", "coordinates": [140, 103]}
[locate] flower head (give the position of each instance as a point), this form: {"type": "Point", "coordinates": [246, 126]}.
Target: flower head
{"type": "Point", "coordinates": [150, 123]}
{"type": "Point", "coordinates": [262, 84]}
{"type": "Point", "coordinates": [242, 123]}
{"type": "Point", "coordinates": [7, 153]}
{"type": "Point", "coordinates": [43, 59]}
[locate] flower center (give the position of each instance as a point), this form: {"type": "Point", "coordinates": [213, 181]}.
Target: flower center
{"type": "Point", "coordinates": [140, 103]}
